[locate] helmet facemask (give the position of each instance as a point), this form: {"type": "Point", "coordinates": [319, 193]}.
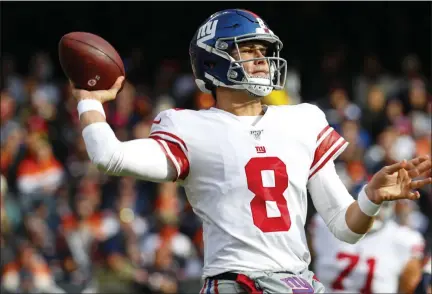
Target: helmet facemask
{"type": "Point", "coordinates": [256, 86]}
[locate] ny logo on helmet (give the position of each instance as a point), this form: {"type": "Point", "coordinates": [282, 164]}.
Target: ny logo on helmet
{"type": "Point", "coordinates": [207, 31]}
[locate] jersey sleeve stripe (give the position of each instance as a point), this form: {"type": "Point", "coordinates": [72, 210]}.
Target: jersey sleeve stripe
{"type": "Point", "coordinates": [321, 134]}
{"type": "Point", "coordinates": [171, 157]}
{"type": "Point", "coordinates": [176, 155]}
{"type": "Point", "coordinates": [170, 137]}
{"type": "Point", "coordinates": [330, 153]}
{"type": "Point", "coordinates": [324, 134]}
{"type": "Point", "coordinates": [325, 141]}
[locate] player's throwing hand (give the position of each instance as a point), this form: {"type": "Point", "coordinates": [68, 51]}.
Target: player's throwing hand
{"type": "Point", "coordinates": [396, 181]}
{"type": "Point", "coordinates": [101, 95]}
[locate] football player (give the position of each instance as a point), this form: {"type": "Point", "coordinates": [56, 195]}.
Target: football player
{"type": "Point", "coordinates": [387, 260]}
{"type": "Point", "coordinates": [246, 167]}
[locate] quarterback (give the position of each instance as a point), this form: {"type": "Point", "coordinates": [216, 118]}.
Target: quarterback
{"type": "Point", "coordinates": [246, 167]}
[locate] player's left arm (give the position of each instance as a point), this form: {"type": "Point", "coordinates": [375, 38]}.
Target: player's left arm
{"type": "Point", "coordinates": [330, 197]}
{"type": "Point", "coordinates": [336, 205]}
{"type": "Point", "coordinates": [350, 220]}
{"type": "Point", "coordinates": [343, 215]}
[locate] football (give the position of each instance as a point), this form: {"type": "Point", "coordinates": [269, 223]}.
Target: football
{"type": "Point", "coordinates": [89, 61]}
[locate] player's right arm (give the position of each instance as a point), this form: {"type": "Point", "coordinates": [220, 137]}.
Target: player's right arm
{"type": "Point", "coordinates": [150, 159]}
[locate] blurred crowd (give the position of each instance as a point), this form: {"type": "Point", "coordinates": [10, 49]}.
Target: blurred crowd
{"type": "Point", "coordinates": [66, 227]}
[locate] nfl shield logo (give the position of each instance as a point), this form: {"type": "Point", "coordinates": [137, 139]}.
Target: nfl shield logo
{"type": "Point", "coordinates": [256, 134]}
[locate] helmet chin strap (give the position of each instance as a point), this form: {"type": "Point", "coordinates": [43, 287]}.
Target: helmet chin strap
{"type": "Point", "coordinates": [256, 87]}
{"type": "Point", "coordinates": [259, 87]}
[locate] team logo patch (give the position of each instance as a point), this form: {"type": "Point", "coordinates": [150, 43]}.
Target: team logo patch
{"type": "Point", "coordinates": [260, 149]}
{"type": "Point", "coordinates": [207, 31]}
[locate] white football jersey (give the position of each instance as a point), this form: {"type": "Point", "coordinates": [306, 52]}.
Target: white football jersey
{"type": "Point", "coordinates": [373, 265]}
{"type": "Point", "coordinates": [247, 182]}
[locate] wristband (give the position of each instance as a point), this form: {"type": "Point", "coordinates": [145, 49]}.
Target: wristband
{"type": "Point", "coordinates": [366, 205]}
{"type": "Point", "coordinates": [90, 104]}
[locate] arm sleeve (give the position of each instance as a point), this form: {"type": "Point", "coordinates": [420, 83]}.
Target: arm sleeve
{"type": "Point", "coordinates": [331, 199]}
{"type": "Point", "coordinates": [142, 158]}
{"type": "Point", "coordinates": [159, 158]}
{"type": "Point", "coordinates": [329, 144]}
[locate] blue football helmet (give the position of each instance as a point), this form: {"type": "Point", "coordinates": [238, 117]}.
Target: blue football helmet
{"type": "Point", "coordinates": [213, 65]}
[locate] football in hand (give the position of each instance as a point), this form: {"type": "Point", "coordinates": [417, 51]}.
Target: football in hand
{"type": "Point", "coordinates": [89, 61]}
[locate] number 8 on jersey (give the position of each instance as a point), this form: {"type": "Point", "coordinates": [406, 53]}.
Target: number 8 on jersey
{"type": "Point", "coordinates": [254, 175]}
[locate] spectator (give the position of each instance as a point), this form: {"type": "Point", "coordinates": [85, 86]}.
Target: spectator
{"type": "Point", "coordinates": [28, 273]}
